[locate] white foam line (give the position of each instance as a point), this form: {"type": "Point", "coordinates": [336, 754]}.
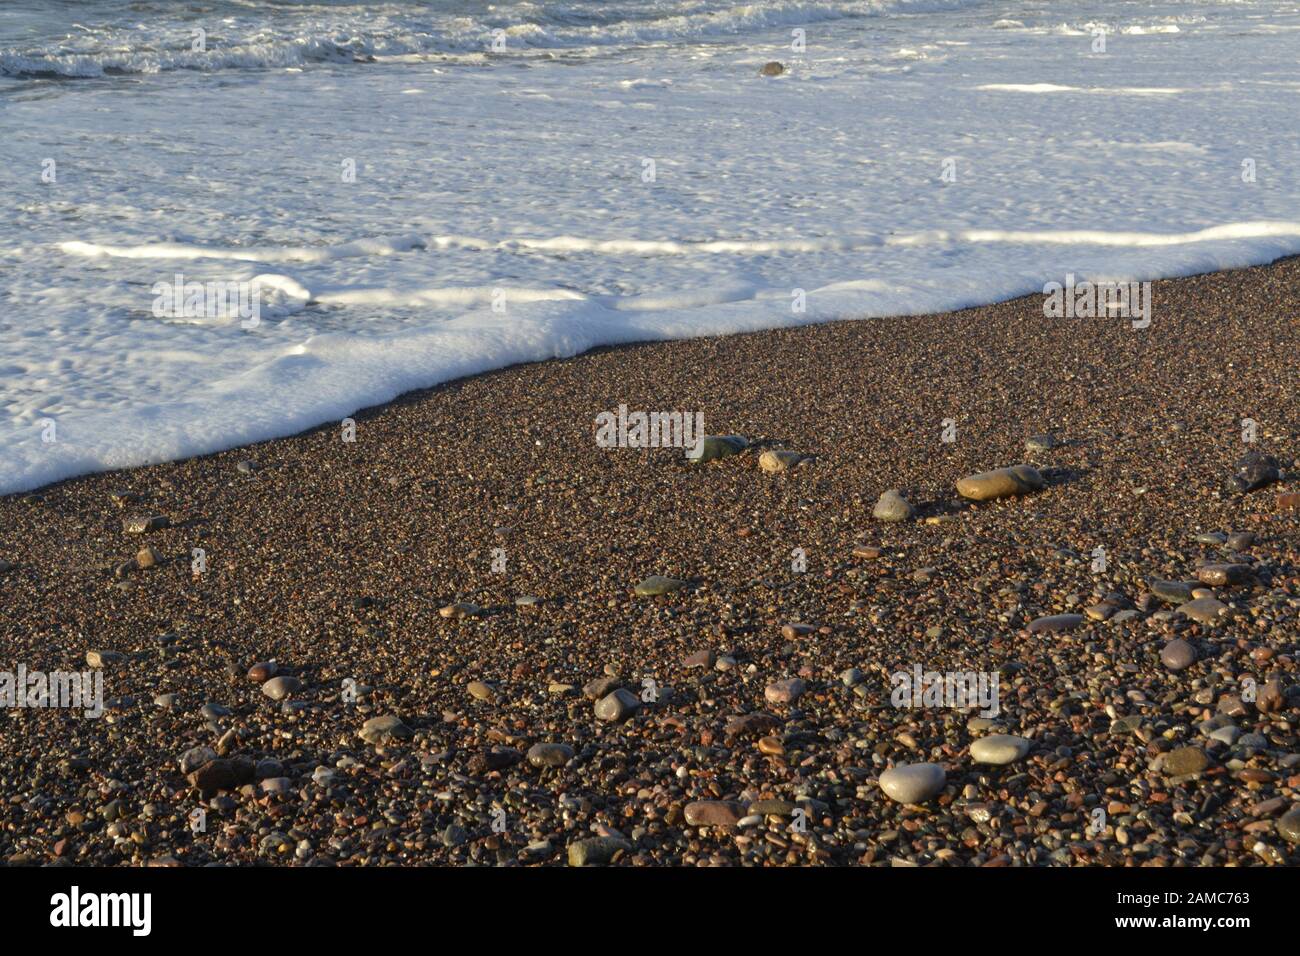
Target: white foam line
{"type": "Point", "coordinates": [659, 247]}
{"type": "Point", "coordinates": [436, 296]}
{"type": "Point", "coordinates": [671, 247]}
{"type": "Point", "coordinates": [1097, 237]}
{"type": "Point", "coordinates": [1109, 90]}
{"type": "Point", "coordinates": [178, 250]}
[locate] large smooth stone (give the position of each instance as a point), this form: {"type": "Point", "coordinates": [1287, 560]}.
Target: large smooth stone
{"type": "Point", "coordinates": [376, 730]}
{"type": "Point", "coordinates": [892, 506]}
{"type": "Point", "coordinates": [657, 584]}
{"type": "Point", "coordinates": [596, 851]}
{"type": "Point", "coordinates": [1178, 655]}
{"type": "Point", "coordinates": [999, 749]}
{"type": "Point", "coordinates": [1185, 760]}
{"type": "Point", "coordinates": [1055, 623]}
{"type": "Point", "coordinates": [1204, 610]}
{"type": "Point", "coordinates": [1221, 575]}
{"type": "Point", "coordinates": [711, 447]}
{"type": "Point", "coordinates": [1000, 483]}
{"type": "Point", "coordinates": [776, 460]}
{"type": "Point", "coordinates": [913, 783]}
{"type": "Point", "coordinates": [1289, 825]}
{"type": "Point", "coordinates": [549, 755]}
{"type": "Point", "coordinates": [1171, 592]}
{"type": "Point", "coordinates": [278, 688]}
{"type": "Point", "coordinates": [785, 691]}
{"type": "Point", "coordinates": [713, 813]}
{"type": "Point", "coordinates": [1100, 612]}
{"type": "Point", "coordinates": [618, 706]}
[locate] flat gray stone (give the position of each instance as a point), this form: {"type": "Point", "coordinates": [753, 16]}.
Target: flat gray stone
{"type": "Point", "coordinates": [376, 730]}
{"type": "Point", "coordinates": [1178, 655]}
{"type": "Point", "coordinates": [618, 706]}
{"type": "Point", "coordinates": [785, 691]}
{"type": "Point", "coordinates": [1055, 623]}
{"type": "Point", "coordinates": [1204, 610]}
{"type": "Point", "coordinates": [596, 851]}
{"type": "Point", "coordinates": [999, 749]}
{"type": "Point", "coordinates": [657, 584]}
{"type": "Point", "coordinates": [913, 783]}
{"type": "Point", "coordinates": [1171, 592]}
{"type": "Point", "coordinates": [712, 447]}
{"type": "Point", "coordinates": [549, 755]}
{"type": "Point", "coordinates": [892, 506]}
{"type": "Point", "coordinates": [278, 688]}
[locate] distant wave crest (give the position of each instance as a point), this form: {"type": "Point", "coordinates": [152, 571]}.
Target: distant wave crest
{"type": "Point", "coordinates": [355, 35]}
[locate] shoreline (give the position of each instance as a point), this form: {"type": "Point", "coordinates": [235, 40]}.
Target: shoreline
{"type": "Point", "coordinates": [334, 558]}
{"type": "Point", "coordinates": [416, 394]}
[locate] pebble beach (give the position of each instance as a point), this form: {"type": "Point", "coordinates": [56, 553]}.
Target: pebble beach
{"type": "Point", "coordinates": [472, 635]}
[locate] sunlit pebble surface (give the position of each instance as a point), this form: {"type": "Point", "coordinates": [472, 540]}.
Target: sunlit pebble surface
{"type": "Point", "coordinates": [335, 558]}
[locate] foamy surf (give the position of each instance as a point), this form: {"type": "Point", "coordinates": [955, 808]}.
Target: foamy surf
{"type": "Point", "coordinates": [619, 173]}
{"type": "Point", "coordinates": [361, 33]}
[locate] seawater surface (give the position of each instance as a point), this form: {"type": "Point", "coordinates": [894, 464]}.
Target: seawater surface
{"type": "Point", "coordinates": [534, 179]}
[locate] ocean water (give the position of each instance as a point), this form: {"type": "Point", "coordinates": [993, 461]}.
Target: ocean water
{"type": "Point", "coordinates": [422, 190]}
